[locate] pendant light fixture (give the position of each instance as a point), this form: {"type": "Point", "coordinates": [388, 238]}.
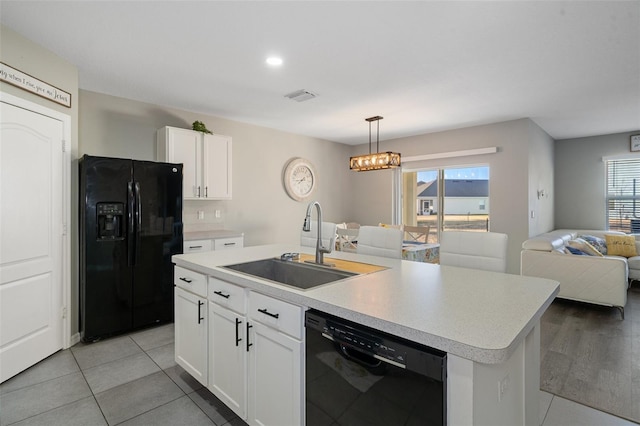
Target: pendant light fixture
{"type": "Point", "coordinates": [378, 160]}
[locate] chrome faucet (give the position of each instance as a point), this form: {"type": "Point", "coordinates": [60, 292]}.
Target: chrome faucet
{"type": "Point", "coordinates": [306, 227]}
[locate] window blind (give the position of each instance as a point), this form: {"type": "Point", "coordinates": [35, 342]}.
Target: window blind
{"type": "Point", "coordinates": [623, 195]}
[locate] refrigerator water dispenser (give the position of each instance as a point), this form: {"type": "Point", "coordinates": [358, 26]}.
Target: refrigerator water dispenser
{"type": "Point", "coordinates": [110, 221]}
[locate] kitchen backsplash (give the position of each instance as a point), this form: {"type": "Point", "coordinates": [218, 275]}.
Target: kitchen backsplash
{"type": "Point", "coordinates": [202, 216]}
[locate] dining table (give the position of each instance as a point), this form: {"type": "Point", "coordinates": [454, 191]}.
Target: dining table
{"type": "Point", "coordinates": [421, 252]}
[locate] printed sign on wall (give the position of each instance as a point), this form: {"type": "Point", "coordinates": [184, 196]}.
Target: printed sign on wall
{"type": "Point", "coordinates": [31, 84]}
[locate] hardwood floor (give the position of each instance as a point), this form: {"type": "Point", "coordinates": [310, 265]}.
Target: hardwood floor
{"type": "Point", "coordinates": [591, 356]}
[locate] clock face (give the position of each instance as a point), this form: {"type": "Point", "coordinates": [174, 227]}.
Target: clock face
{"type": "Point", "coordinates": [299, 179]}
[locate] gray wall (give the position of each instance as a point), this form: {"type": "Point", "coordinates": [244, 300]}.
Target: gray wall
{"type": "Point", "coordinates": [541, 179]}
{"type": "Point", "coordinates": [580, 191]}
{"type": "Point", "coordinates": [511, 171]}
{"type": "Point", "coordinates": [28, 57]}
{"type": "Point", "coordinates": [260, 208]}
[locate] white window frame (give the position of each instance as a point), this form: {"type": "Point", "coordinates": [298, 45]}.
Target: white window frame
{"type": "Point", "coordinates": [632, 162]}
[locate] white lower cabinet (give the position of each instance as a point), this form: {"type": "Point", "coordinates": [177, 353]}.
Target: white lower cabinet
{"type": "Point", "coordinates": [191, 333]}
{"type": "Point", "coordinates": [255, 355]}
{"type": "Point", "coordinates": [276, 385]}
{"type": "Point", "coordinates": [228, 357]}
{"type": "Point", "coordinates": [228, 243]}
{"type": "Point", "coordinates": [193, 246]}
{"type": "Point", "coordinates": [275, 379]}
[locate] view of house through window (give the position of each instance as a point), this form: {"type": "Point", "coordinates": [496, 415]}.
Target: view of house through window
{"type": "Point", "coordinates": [623, 195]}
{"type": "Point", "coordinates": [446, 199]}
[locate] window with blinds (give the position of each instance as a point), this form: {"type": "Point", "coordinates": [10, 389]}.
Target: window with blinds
{"type": "Point", "coordinates": [623, 195]}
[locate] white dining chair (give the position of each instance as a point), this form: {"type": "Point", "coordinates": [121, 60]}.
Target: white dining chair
{"type": "Point", "coordinates": [308, 239]}
{"type": "Point", "coordinates": [416, 234]}
{"type": "Point", "coordinates": [346, 239]}
{"type": "Point", "coordinates": [380, 241]}
{"type": "Point", "coordinates": [476, 250]}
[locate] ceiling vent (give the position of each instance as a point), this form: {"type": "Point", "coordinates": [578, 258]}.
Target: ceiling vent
{"type": "Point", "coordinates": [301, 95]}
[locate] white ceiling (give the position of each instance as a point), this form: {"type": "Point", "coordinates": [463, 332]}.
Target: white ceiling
{"type": "Point", "coordinates": [425, 66]}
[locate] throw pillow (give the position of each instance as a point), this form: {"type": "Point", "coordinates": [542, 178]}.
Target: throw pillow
{"type": "Point", "coordinates": [576, 251]}
{"type": "Point", "coordinates": [621, 245]}
{"type": "Point", "coordinates": [598, 243]}
{"type": "Point", "coordinates": [583, 246]}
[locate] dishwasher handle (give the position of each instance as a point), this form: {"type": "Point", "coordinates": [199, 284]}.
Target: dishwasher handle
{"type": "Point", "coordinates": [372, 362]}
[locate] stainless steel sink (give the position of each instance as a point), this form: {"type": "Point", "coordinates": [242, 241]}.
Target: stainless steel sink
{"type": "Point", "coordinates": [300, 275]}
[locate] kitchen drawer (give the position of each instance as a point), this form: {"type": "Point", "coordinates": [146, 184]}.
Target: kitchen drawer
{"type": "Point", "coordinates": [194, 282]}
{"type": "Point", "coordinates": [276, 314]}
{"type": "Point", "coordinates": [228, 243]}
{"type": "Point", "coordinates": [194, 246]}
{"type": "Point", "coordinates": [228, 295]}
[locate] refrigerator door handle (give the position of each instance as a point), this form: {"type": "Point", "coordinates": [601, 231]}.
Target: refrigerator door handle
{"type": "Point", "coordinates": [138, 222]}
{"type": "Point", "coordinates": [131, 228]}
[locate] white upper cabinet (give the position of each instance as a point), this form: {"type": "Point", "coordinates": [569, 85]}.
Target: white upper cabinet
{"type": "Point", "coordinates": [216, 173]}
{"type": "Point", "coordinates": [206, 159]}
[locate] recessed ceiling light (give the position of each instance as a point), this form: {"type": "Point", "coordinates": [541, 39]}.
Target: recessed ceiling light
{"type": "Point", "coordinates": [274, 61]}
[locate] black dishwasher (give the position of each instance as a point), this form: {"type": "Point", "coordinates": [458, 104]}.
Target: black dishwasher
{"type": "Point", "coordinates": [356, 375]}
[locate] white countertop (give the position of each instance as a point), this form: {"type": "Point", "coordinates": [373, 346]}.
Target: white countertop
{"type": "Point", "coordinates": [211, 234]}
{"type": "Point", "coordinates": [477, 315]}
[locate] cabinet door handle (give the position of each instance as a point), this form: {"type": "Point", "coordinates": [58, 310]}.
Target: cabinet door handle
{"type": "Point", "coordinates": [186, 280]}
{"type": "Point", "coordinates": [264, 311]}
{"type": "Point", "coordinates": [238, 338]}
{"type": "Point", "coordinates": [198, 191]}
{"type": "Point", "coordinates": [206, 192]}
{"type": "Point", "coordinates": [248, 344]}
{"type": "Point", "coordinates": [221, 294]}
{"type": "Point", "coordinates": [200, 303]}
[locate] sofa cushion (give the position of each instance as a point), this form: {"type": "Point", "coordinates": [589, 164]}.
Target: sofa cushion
{"type": "Point", "coordinates": [634, 267]}
{"type": "Point", "coordinates": [573, 250]}
{"type": "Point", "coordinates": [621, 245]}
{"type": "Point", "coordinates": [583, 246]}
{"type": "Point", "coordinates": [598, 243]}
{"type": "Point", "coordinates": [544, 242]}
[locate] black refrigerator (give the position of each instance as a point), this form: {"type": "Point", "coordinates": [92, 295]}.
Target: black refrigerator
{"type": "Point", "coordinates": [130, 226]}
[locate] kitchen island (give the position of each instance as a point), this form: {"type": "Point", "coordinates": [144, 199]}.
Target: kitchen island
{"type": "Point", "coordinates": [486, 322]}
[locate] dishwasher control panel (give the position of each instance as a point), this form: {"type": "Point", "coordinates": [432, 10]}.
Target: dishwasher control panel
{"type": "Point", "coordinates": [365, 342]}
{"type": "Point", "coordinates": [378, 344]}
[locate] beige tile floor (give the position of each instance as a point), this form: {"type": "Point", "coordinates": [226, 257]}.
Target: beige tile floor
{"type": "Point", "coordinates": [134, 380]}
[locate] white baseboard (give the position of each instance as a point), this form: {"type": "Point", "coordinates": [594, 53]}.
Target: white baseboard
{"type": "Point", "coordinates": [74, 339]}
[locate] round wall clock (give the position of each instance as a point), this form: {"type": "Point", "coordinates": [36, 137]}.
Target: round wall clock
{"type": "Point", "coordinates": [299, 178]}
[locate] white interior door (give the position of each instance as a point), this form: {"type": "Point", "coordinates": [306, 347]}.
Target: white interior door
{"type": "Point", "coordinates": [31, 234]}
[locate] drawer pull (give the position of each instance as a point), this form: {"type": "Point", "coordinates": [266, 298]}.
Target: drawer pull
{"type": "Point", "coordinates": [264, 311]}
{"type": "Point", "coordinates": [186, 280]}
{"type": "Point", "coordinates": [194, 247]}
{"type": "Point", "coordinates": [221, 294]}
{"type": "Point", "coordinates": [229, 244]}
